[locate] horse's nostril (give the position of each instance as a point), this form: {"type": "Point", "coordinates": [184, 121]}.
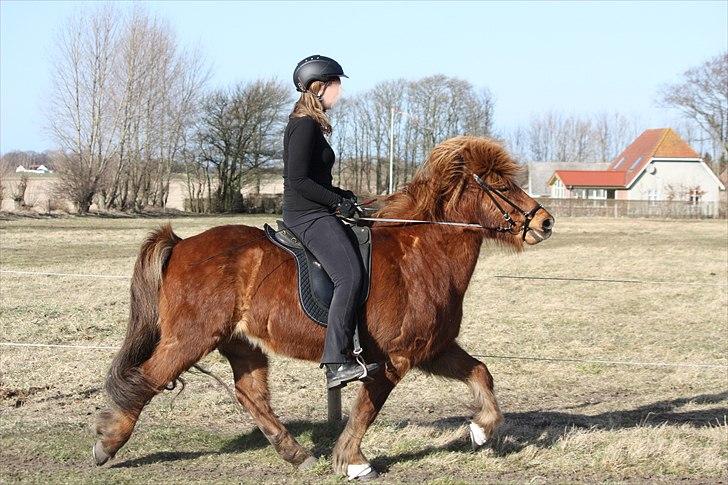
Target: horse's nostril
{"type": "Point", "coordinates": [547, 224]}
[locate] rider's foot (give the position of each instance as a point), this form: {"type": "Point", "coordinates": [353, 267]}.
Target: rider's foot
{"type": "Point", "coordinates": [338, 375]}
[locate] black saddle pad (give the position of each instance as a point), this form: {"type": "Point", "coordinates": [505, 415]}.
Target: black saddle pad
{"type": "Point", "coordinates": [315, 288]}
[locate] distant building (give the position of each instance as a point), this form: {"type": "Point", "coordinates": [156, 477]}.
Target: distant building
{"type": "Point", "coordinates": [33, 169]}
{"type": "Point", "coordinates": [540, 173]}
{"type": "Point", "coordinates": [658, 165]}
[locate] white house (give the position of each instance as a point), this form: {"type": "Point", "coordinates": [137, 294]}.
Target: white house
{"type": "Point", "coordinates": [33, 169]}
{"type": "Point", "coordinates": [658, 165]}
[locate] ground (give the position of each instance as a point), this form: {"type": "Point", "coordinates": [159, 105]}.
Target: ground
{"type": "Point", "coordinates": [564, 421]}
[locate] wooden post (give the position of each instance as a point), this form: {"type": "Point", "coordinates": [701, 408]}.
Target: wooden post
{"type": "Point", "coordinates": [333, 402]}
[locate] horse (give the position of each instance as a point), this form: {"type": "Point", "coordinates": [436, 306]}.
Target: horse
{"type": "Point", "coordinates": [229, 288]}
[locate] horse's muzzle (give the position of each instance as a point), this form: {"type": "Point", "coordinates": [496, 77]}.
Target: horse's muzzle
{"type": "Point", "coordinates": [534, 236]}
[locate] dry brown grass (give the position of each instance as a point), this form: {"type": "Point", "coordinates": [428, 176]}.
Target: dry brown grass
{"type": "Point", "coordinates": [563, 422]}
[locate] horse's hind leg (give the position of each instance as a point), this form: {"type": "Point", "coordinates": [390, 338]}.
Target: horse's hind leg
{"type": "Point", "coordinates": [454, 363]}
{"type": "Point", "coordinates": [250, 371]}
{"type": "Point", "coordinates": [173, 355]}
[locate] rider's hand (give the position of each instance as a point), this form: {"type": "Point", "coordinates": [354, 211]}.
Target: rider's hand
{"type": "Point", "coordinates": [347, 208]}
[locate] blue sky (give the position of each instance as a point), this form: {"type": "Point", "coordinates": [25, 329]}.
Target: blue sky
{"type": "Point", "coordinates": [534, 56]}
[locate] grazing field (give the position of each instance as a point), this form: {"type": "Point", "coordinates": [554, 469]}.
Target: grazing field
{"type": "Point", "coordinates": [564, 421]}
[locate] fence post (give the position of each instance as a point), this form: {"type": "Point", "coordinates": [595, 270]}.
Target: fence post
{"type": "Point", "coordinates": [333, 403]}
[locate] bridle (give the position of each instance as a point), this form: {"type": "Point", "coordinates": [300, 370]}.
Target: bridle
{"type": "Point", "coordinates": [527, 216]}
{"type": "Point", "coordinates": [491, 192]}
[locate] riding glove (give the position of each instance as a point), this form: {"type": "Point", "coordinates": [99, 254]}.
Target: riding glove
{"type": "Point", "coordinates": [346, 207]}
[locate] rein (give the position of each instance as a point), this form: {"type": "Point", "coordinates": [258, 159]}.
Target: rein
{"type": "Point", "coordinates": [491, 192]}
{"type": "Point", "coordinates": [442, 223]}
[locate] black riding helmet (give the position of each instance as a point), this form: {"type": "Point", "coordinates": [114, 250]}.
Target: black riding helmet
{"type": "Point", "coordinates": [316, 68]}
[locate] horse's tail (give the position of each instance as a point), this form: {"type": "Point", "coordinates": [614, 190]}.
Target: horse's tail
{"type": "Point", "coordinates": [125, 384]}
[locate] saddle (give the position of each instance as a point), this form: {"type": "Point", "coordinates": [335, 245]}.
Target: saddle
{"type": "Point", "coordinates": [315, 288]}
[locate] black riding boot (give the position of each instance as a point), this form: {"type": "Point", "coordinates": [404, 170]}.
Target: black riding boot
{"type": "Point", "coordinates": [338, 375]}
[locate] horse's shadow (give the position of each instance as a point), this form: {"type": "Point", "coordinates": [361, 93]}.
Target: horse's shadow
{"type": "Point", "coordinates": [545, 428]}
{"type": "Point", "coordinates": [323, 436]}
{"type": "Point", "coordinates": [521, 429]}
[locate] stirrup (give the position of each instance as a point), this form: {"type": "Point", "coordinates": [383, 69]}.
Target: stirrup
{"type": "Point", "coordinates": [360, 360]}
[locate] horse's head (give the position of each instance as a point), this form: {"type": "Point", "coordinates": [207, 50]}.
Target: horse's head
{"type": "Point", "coordinates": [490, 192]}
{"type": "Point", "coordinates": [473, 179]}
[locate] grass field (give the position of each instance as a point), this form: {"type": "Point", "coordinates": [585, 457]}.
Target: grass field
{"type": "Point", "coordinates": [564, 422]}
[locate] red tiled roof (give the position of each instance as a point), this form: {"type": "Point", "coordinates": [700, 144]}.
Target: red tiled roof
{"type": "Point", "coordinates": [591, 178]}
{"type": "Point", "coordinates": [657, 143]}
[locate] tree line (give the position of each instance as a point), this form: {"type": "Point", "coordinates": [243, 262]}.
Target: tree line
{"type": "Point", "coordinates": [129, 108]}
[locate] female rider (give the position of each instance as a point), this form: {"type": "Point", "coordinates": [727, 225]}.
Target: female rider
{"type": "Point", "coordinates": [309, 205]}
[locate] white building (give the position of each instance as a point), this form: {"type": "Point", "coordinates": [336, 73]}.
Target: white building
{"type": "Point", "coordinates": [33, 169]}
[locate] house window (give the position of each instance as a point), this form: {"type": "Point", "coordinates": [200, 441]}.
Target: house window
{"type": "Point", "coordinates": [594, 193]}
{"type": "Point", "coordinates": [620, 162]}
{"type": "Point", "coordinates": [558, 191]}
{"type": "Point", "coordinates": [580, 193]}
{"type": "Point", "coordinates": [694, 196]}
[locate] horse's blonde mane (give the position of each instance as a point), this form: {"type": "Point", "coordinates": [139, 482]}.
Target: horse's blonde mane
{"type": "Point", "coordinates": [438, 184]}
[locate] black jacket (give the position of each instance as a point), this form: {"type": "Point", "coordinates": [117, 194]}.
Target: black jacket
{"type": "Point", "coordinates": [307, 163]}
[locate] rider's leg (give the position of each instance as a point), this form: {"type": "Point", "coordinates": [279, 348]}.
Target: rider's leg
{"type": "Point", "coordinates": [330, 242]}
{"type": "Point", "coordinates": [334, 246]}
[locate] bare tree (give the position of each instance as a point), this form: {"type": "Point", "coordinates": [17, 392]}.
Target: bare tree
{"type": "Point", "coordinates": [611, 132]}
{"type": "Point", "coordinates": [123, 95]}
{"type": "Point", "coordinates": [702, 96]}
{"type": "Point", "coordinates": [18, 191]}
{"type": "Point", "coordinates": [159, 90]}
{"type": "Point", "coordinates": [555, 137]}
{"type": "Point", "coordinates": [426, 111]}
{"type": "Point", "coordinates": [239, 133]}
{"type": "Point", "coordinates": [82, 115]}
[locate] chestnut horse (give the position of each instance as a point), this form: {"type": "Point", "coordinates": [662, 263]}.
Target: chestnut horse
{"type": "Point", "coordinates": [231, 289]}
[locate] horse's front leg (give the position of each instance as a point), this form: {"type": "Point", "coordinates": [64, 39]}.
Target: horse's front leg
{"type": "Point", "coordinates": [347, 456]}
{"type": "Point", "coordinates": [454, 363]}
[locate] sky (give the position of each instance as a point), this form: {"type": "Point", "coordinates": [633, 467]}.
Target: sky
{"type": "Point", "coordinates": [572, 57]}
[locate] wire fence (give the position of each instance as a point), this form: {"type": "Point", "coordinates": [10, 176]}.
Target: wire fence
{"type": "Point", "coordinates": [499, 276]}
{"type": "Point", "coordinates": [483, 356]}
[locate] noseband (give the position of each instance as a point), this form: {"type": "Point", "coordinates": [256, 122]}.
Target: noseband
{"type": "Point", "coordinates": [491, 192]}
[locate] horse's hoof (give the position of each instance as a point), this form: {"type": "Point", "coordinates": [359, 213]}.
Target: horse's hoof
{"type": "Point", "coordinates": [477, 436]}
{"type": "Point", "coordinates": [363, 471]}
{"type": "Point", "coordinates": [307, 463]}
{"type": "Point", "coordinates": [372, 475]}
{"type": "Point", "coordinates": [100, 456]}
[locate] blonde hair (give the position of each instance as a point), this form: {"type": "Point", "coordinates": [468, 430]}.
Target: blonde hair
{"type": "Point", "coordinates": [309, 105]}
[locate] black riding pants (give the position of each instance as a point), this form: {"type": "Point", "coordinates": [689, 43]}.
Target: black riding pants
{"type": "Point", "coordinates": [334, 245]}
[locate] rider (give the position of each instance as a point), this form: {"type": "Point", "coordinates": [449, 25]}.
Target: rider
{"type": "Point", "coordinates": [309, 205]}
